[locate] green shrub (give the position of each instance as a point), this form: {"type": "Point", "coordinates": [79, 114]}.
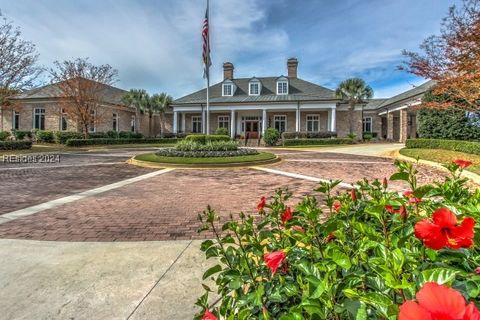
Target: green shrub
{"type": "Point", "coordinates": [97, 135]}
{"type": "Point", "coordinates": [129, 135]}
{"type": "Point", "coordinates": [45, 136]}
{"type": "Point", "coordinates": [15, 145]}
{"type": "Point", "coordinates": [4, 135]}
{"type": "Point", "coordinates": [62, 136]}
{"type": "Point", "coordinates": [221, 132]}
{"type": "Point", "coordinates": [310, 142]}
{"type": "Point", "coordinates": [451, 124]}
{"type": "Point", "coordinates": [367, 136]}
{"type": "Point", "coordinates": [90, 142]}
{"type": "Point", "coordinates": [356, 253]}
{"type": "Point", "coordinates": [20, 135]}
{"type": "Point", "coordinates": [454, 145]}
{"type": "Point", "coordinates": [271, 136]}
{"type": "Point", "coordinates": [203, 138]}
{"type": "Point", "coordinates": [309, 135]}
{"type": "Point", "coordinates": [188, 145]}
{"type": "Point", "coordinates": [351, 136]}
{"type": "Point", "coordinates": [112, 134]}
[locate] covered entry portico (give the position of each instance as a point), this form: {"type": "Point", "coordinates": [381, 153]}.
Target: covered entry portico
{"type": "Point", "coordinates": [400, 123]}
{"type": "Point", "coordinates": [240, 120]}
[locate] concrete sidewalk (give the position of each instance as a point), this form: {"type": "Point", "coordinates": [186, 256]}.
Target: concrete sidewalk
{"type": "Point", "coordinates": [95, 280]}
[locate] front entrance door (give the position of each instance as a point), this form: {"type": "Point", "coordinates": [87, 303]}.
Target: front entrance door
{"type": "Point", "coordinates": [251, 129]}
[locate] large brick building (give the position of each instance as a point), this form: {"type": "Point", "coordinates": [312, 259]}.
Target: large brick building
{"type": "Point", "coordinates": [288, 103]}
{"type": "Point", "coordinates": [41, 109]}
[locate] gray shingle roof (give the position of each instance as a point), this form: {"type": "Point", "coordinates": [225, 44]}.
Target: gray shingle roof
{"type": "Point", "coordinates": [112, 95]}
{"type": "Point", "coordinates": [299, 90]}
{"type": "Point", "coordinates": [373, 104]}
{"type": "Point", "coordinates": [417, 91]}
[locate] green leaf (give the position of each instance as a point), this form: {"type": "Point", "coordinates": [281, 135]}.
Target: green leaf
{"type": "Point", "coordinates": [399, 176]}
{"type": "Point", "coordinates": [420, 192]}
{"type": "Point", "coordinates": [211, 271]}
{"type": "Point", "coordinates": [361, 312]}
{"type": "Point", "coordinates": [438, 275]}
{"type": "Point", "coordinates": [341, 259]}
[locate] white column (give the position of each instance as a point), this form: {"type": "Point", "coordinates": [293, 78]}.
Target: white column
{"type": "Point", "coordinates": [297, 119]}
{"type": "Point", "coordinates": [175, 121]}
{"type": "Point", "coordinates": [333, 124]}
{"type": "Point", "coordinates": [232, 124]}
{"type": "Point", "coordinates": [183, 128]}
{"type": "Point", "coordinates": [204, 122]}
{"type": "Point", "coordinates": [329, 120]}
{"type": "Point", "coordinates": [264, 120]}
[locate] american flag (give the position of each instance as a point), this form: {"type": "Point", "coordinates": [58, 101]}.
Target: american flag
{"type": "Point", "coordinates": [206, 46]}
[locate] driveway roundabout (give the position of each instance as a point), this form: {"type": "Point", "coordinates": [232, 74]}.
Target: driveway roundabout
{"type": "Point", "coordinates": [99, 197]}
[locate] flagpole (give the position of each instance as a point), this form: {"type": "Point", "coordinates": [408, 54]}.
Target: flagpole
{"type": "Point", "coordinates": [208, 71]}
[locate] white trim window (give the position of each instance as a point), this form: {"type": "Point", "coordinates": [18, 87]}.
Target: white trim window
{"type": "Point", "coordinates": [63, 121]}
{"type": "Point", "coordinates": [367, 124]}
{"type": "Point", "coordinates": [16, 120]}
{"type": "Point", "coordinates": [254, 89]}
{"type": "Point", "coordinates": [282, 87]}
{"type": "Point", "coordinates": [280, 122]}
{"type": "Point", "coordinates": [39, 118]}
{"type": "Point", "coordinates": [224, 122]}
{"type": "Point", "coordinates": [227, 89]}
{"type": "Point", "coordinates": [133, 123]}
{"type": "Point", "coordinates": [196, 124]}
{"type": "Point", "coordinates": [313, 123]}
{"type": "Point", "coordinates": [91, 125]}
{"type": "Point", "coordinates": [115, 121]}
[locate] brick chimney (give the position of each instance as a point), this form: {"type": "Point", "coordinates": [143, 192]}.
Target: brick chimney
{"type": "Point", "coordinates": [228, 70]}
{"type": "Point", "coordinates": [292, 65]}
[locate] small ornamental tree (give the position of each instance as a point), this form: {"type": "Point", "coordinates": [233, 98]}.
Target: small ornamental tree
{"type": "Point", "coordinates": [364, 253]}
{"type": "Point", "coordinates": [271, 136]}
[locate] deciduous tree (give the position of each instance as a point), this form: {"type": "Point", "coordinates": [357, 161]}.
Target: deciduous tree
{"type": "Point", "coordinates": [452, 58]}
{"type": "Point", "coordinates": [82, 87]}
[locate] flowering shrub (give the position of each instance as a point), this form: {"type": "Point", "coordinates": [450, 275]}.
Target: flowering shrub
{"type": "Point", "coordinates": [367, 253]}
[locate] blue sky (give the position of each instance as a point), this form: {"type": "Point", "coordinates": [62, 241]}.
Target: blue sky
{"type": "Point", "coordinates": [156, 44]}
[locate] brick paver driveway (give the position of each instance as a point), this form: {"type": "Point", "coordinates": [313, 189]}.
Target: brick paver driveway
{"type": "Point", "coordinates": [163, 206]}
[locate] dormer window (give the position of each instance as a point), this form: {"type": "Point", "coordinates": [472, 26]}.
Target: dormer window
{"type": "Point", "coordinates": [228, 88]}
{"type": "Point", "coordinates": [282, 86]}
{"type": "Point", "coordinates": [254, 87]}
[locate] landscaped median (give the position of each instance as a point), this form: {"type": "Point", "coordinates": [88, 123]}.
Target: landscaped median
{"type": "Point", "coordinates": [205, 151]}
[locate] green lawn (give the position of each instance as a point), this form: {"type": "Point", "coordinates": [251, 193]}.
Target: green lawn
{"type": "Point", "coordinates": [443, 156]}
{"type": "Point", "coordinates": [262, 156]}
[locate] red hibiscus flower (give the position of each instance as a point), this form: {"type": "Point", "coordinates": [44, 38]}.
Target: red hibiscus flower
{"type": "Point", "coordinates": [391, 209]}
{"type": "Point", "coordinates": [298, 229]}
{"type": "Point", "coordinates": [444, 232]}
{"type": "Point", "coordinates": [437, 302]}
{"type": "Point", "coordinates": [337, 205]}
{"type": "Point", "coordinates": [209, 316]}
{"type": "Point", "coordinates": [477, 270]}
{"type": "Point", "coordinates": [274, 259]}
{"type": "Point", "coordinates": [411, 198]}
{"type": "Point", "coordinates": [261, 204]}
{"type": "Point", "coordinates": [286, 215]}
{"type": "Point", "coordinates": [462, 163]}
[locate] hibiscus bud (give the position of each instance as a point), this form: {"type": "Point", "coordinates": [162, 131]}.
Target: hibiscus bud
{"type": "Point", "coordinates": [385, 183]}
{"type": "Point", "coordinates": [298, 229]}
{"type": "Point", "coordinates": [403, 212]}
{"type": "Point", "coordinates": [286, 215]}
{"type": "Point", "coordinates": [261, 204]}
{"type": "Point", "coordinates": [337, 205]}
{"type": "Point", "coordinates": [477, 270]}
{"type": "Point", "coordinates": [330, 237]}
{"type": "Point", "coordinates": [353, 194]}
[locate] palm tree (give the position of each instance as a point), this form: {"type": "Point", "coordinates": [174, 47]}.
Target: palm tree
{"type": "Point", "coordinates": [150, 107]}
{"type": "Point", "coordinates": [353, 91]}
{"type": "Point", "coordinates": [136, 98]}
{"type": "Point", "coordinates": [162, 103]}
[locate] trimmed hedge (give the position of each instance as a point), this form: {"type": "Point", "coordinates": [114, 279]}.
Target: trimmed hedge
{"type": "Point", "coordinates": [318, 142]}
{"type": "Point", "coordinates": [308, 135]}
{"type": "Point", "coordinates": [20, 135]}
{"type": "Point", "coordinates": [15, 145]}
{"type": "Point", "coordinates": [4, 135]}
{"type": "Point", "coordinates": [203, 138]}
{"type": "Point", "coordinates": [271, 136]}
{"type": "Point", "coordinates": [91, 142]}
{"type": "Point", "coordinates": [172, 152]}
{"type": "Point", "coordinates": [63, 136]}
{"type": "Point", "coordinates": [44, 136]}
{"type": "Point", "coordinates": [454, 145]}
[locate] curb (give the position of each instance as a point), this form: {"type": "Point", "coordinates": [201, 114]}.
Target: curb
{"type": "Point", "coordinates": [468, 174]}
{"type": "Point", "coordinates": [157, 165]}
